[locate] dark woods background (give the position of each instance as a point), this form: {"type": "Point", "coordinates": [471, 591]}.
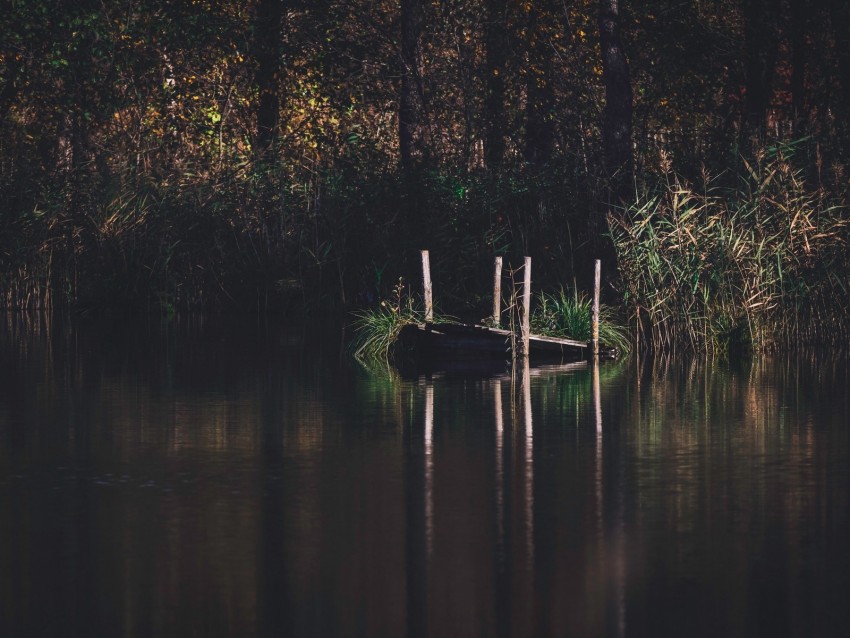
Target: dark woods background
{"type": "Point", "coordinates": [281, 154]}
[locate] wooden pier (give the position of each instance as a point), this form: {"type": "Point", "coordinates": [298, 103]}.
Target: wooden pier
{"type": "Point", "coordinates": [467, 341]}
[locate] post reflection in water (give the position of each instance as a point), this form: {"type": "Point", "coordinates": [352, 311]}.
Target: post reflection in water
{"type": "Point", "coordinates": [529, 464]}
{"type": "Point", "coordinates": [496, 389]}
{"type": "Point", "coordinates": [429, 467]}
{"type": "Point", "coordinates": [597, 414]}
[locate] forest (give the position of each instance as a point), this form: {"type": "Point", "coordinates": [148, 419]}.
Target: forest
{"type": "Point", "coordinates": [293, 156]}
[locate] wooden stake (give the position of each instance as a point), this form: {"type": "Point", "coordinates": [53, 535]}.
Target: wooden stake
{"type": "Point", "coordinates": [426, 287]}
{"type": "Point", "coordinates": [526, 307]}
{"type": "Point", "coordinates": [597, 279]}
{"type": "Point", "coordinates": [497, 291]}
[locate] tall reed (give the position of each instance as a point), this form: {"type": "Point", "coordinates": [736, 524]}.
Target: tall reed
{"type": "Point", "coordinates": [760, 263]}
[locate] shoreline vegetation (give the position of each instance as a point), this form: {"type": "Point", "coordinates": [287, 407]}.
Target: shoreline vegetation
{"type": "Point", "coordinates": [294, 158]}
{"type": "Point", "coordinates": [758, 260]}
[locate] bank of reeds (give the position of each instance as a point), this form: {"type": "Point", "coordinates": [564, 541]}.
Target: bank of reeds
{"type": "Point", "coordinates": [761, 262]}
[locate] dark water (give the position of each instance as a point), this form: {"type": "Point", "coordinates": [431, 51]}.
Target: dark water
{"type": "Point", "coordinates": [222, 479]}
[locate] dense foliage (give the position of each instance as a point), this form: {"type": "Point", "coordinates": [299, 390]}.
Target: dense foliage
{"type": "Point", "coordinates": [291, 154]}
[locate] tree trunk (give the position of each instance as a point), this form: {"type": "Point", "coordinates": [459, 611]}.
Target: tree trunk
{"type": "Point", "coordinates": [267, 52]}
{"type": "Point", "coordinates": [617, 114]}
{"type": "Point", "coordinates": [495, 39]}
{"type": "Point", "coordinates": [540, 99]}
{"type": "Point", "coordinates": [10, 88]}
{"type": "Point", "coordinates": [616, 135]}
{"type": "Point", "coordinates": [798, 27]}
{"type": "Point", "coordinates": [841, 26]}
{"type": "Point", "coordinates": [410, 105]}
{"type": "Point", "coordinates": [840, 18]}
{"type": "Point", "coordinates": [761, 44]}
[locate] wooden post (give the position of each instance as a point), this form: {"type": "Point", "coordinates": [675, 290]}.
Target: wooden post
{"type": "Point", "coordinates": [497, 292]}
{"type": "Point", "coordinates": [597, 278]}
{"type": "Point", "coordinates": [426, 287]}
{"type": "Point", "coordinates": [526, 308]}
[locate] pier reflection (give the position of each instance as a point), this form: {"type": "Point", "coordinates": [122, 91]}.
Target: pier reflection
{"type": "Point", "coordinates": [454, 576]}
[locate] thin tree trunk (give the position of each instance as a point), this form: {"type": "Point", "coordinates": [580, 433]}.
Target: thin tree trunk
{"type": "Point", "coordinates": [798, 27]}
{"type": "Point", "coordinates": [540, 99]}
{"type": "Point", "coordinates": [840, 14]}
{"type": "Point", "coordinates": [10, 88]}
{"type": "Point", "coordinates": [616, 134]}
{"type": "Point", "coordinates": [495, 38]}
{"type": "Point", "coordinates": [617, 114]}
{"type": "Point", "coordinates": [466, 73]}
{"type": "Point", "coordinates": [840, 18]}
{"type": "Point", "coordinates": [761, 44]}
{"type": "Point", "coordinates": [268, 50]}
{"type": "Point", "coordinates": [410, 104]}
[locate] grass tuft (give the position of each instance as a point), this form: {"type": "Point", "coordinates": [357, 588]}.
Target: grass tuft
{"type": "Point", "coordinates": [377, 329]}
{"type": "Point", "coordinates": [569, 314]}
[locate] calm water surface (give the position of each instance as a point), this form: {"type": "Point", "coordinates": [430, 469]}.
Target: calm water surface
{"type": "Point", "coordinates": [212, 478]}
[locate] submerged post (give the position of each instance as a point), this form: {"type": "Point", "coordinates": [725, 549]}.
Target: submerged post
{"type": "Point", "coordinates": [426, 287]}
{"type": "Point", "coordinates": [526, 308]}
{"type": "Point", "coordinates": [497, 291]}
{"type": "Point", "coordinates": [597, 279]}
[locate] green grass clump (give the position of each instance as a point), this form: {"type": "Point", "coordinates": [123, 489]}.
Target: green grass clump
{"type": "Point", "coordinates": [568, 315]}
{"type": "Point", "coordinates": [377, 329]}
